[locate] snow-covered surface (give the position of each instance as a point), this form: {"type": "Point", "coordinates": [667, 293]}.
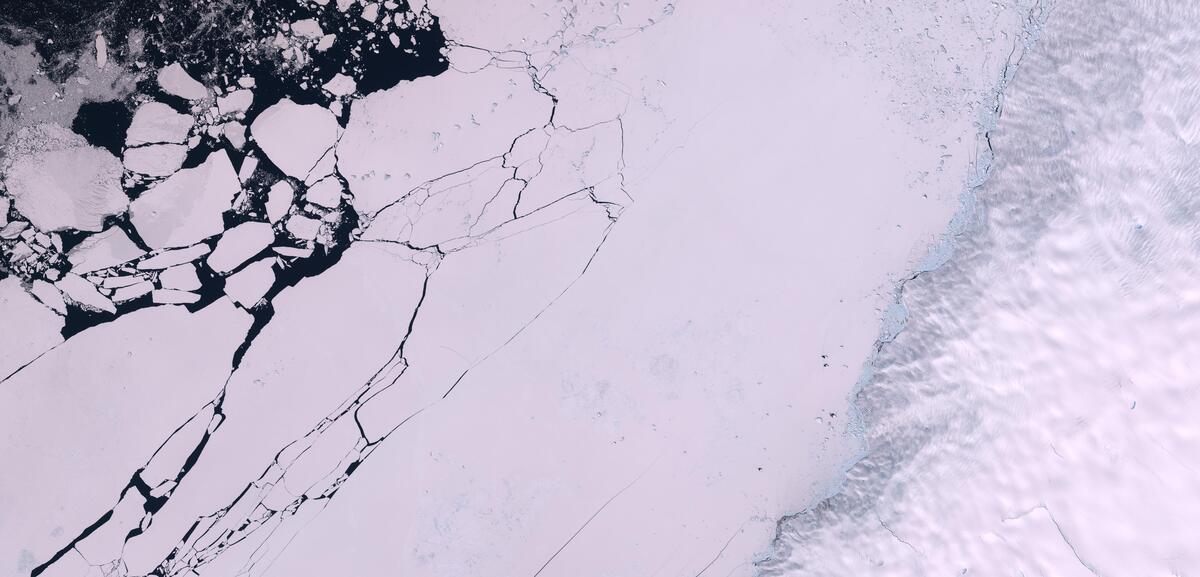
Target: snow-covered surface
{"type": "Point", "coordinates": [1037, 414]}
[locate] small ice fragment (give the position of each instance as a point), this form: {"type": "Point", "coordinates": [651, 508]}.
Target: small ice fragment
{"type": "Point", "coordinates": [155, 159]}
{"type": "Point", "coordinates": [182, 277]}
{"type": "Point", "coordinates": [236, 101]}
{"type": "Point", "coordinates": [302, 227]}
{"type": "Point", "coordinates": [116, 282]}
{"type": "Point", "coordinates": [279, 200]}
{"type": "Point", "coordinates": [84, 294]}
{"type": "Point", "coordinates": [132, 292]}
{"type": "Point", "coordinates": [239, 244]}
{"type": "Point", "coordinates": [235, 133]}
{"type": "Point", "coordinates": [326, 42]}
{"type": "Point", "coordinates": [175, 80]}
{"type": "Point", "coordinates": [156, 122]}
{"type": "Point", "coordinates": [173, 297]}
{"type": "Point", "coordinates": [250, 285]}
{"type": "Point", "coordinates": [340, 85]}
{"type": "Point", "coordinates": [247, 170]}
{"type": "Point", "coordinates": [49, 296]}
{"type": "Point", "coordinates": [101, 51]}
{"type": "Point", "coordinates": [307, 28]}
{"type": "Point", "coordinates": [103, 250]}
{"type": "Point", "coordinates": [13, 229]}
{"type": "Point", "coordinates": [370, 12]}
{"type": "Point", "coordinates": [293, 252]}
{"type": "Point", "coordinates": [327, 193]}
{"type": "Point", "coordinates": [170, 258]}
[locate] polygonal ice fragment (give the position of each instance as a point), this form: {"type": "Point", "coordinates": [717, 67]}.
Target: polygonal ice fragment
{"type": "Point", "coordinates": [236, 101]}
{"type": "Point", "coordinates": [251, 284]}
{"type": "Point", "coordinates": [155, 122]}
{"type": "Point", "coordinates": [182, 277]}
{"type": "Point", "coordinates": [175, 80]}
{"type": "Point", "coordinates": [279, 200]}
{"type": "Point", "coordinates": [240, 244]}
{"type": "Point", "coordinates": [187, 207]}
{"type": "Point", "coordinates": [327, 193]}
{"type": "Point", "coordinates": [156, 159]}
{"type": "Point", "coordinates": [49, 296]}
{"type": "Point", "coordinates": [84, 294]}
{"type": "Point", "coordinates": [102, 250]}
{"type": "Point", "coordinates": [302, 227]}
{"type": "Point", "coordinates": [295, 136]}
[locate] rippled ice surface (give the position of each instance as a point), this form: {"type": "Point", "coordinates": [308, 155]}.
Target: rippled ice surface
{"type": "Point", "coordinates": [1040, 414]}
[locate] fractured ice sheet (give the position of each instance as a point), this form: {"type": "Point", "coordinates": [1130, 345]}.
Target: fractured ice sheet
{"type": "Point", "coordinates": [587, 293]}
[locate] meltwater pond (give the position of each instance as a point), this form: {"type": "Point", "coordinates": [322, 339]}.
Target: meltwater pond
{"type": "Point", "coordinates": [1038, 414]}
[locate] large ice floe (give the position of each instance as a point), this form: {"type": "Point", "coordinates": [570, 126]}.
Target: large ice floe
{"type": "Point", "coordinates": [59, 182]}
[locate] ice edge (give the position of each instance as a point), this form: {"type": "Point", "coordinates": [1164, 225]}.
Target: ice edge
{"type": "Point", "coordinates": [939, 252]}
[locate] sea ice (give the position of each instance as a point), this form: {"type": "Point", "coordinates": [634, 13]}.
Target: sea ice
{"type": "Point", "coordinates": [187, 207]}
{"type": "Point", "coordinates": [102, 250]}
{"type": "Point", "coordinates": [156, 159]}
{"type": "Point", "coordinates": [240, 244]}
{"type": "Point", "coordinates": [155, 122]}
{"type": "Point", "coordinates": [295, 136]}
{"type": "Point", "coordinates": [59, 182]}
{"type": "Point", "coordinates": [175, 80]}
{"type": "Point", "coordinates": [250, 284]}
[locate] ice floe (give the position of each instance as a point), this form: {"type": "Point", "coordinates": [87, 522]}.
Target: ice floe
{"type": "Point", "coordinates": [58, 181]}
{"type": "Point", "coordinates": [155, 122]}
{"type": "Point", "coordinates": [294, 136]}
{"type": "Point", "coordinates": [251, 284]}
{"type": "Point", "coordinates": [279, 200]}
{"type": "Point", "coordinates": [103, 250]}
{"type": "Point", "coordinates": [84, 294]}
{"type": "Point", "coordinates": [182, 277]}
{"type": "Point", "coordinates": [186, 207]}
{"type": "Point", "coordinates": [175, 80]}
{"type": "Point", "coordinates": [239, 244]}
{"type": "Point", "coordinates": [155, 159]}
